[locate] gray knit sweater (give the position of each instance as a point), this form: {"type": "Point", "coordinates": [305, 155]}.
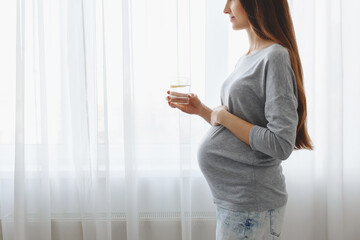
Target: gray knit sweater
{"type": "Point", "coordinates": [261, 90]}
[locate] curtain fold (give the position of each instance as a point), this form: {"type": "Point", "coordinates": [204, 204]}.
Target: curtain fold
{"type": "Point", "coordinates": [19, 178]}
{"type": "Point", "coordinates": [350, 38]}
{"type": "Point", "coordinates": [131, 176]}
{"type": "Point", "coordinates": [329, 108]}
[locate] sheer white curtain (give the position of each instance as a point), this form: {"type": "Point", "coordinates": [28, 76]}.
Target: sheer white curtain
{"type": "Point", "coordinates": [323, 184]}
{"type": "Point", "coordinates": [89, 148]}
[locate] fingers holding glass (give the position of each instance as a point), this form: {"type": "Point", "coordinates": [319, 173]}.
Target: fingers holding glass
{"type": "Point", "coordinates": [178, 97]}
{"type": "Point", "coordinates": [179, 100]}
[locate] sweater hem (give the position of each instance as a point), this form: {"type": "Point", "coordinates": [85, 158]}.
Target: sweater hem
{"type": "Point", "coordinates": [248, 208]}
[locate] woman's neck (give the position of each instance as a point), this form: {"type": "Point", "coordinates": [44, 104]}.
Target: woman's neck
{"type": "Point", "coordinates": [256, 43]}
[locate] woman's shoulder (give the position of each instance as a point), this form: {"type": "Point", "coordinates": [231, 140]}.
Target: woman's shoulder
{"type": "Point", "coordinates": [274, 55]}
{"type": "Point", "coordinates": [277, 54]}
{"type": "Point", "coordinates": [274, 52]}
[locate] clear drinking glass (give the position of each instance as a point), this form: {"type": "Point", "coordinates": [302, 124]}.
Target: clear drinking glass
{"type": "Point", "coordinates": [179, 90]}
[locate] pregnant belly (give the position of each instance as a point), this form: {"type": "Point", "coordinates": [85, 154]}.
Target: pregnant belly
{"type": "Point", "coordinates": [219, 161]}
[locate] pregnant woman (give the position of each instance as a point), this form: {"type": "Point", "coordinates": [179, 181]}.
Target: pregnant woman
{"type": "Point", "coordinates": [261, 120]}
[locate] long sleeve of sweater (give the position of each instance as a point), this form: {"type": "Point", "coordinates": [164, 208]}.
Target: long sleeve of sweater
{"type": "Point", "coordinates": [277, 139]}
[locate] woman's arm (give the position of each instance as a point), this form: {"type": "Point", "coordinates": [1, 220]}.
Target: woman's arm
{"type": "Point", "coordinates": [236, 125]}
{"type": "Point", "coordinates": [272, 140]}
{"type": "Point", "coordinates": [195, 106]}
{"type": "Point", "coordinates": [216, 116]}
{"type": "Point", "coordinates": [205, 113]}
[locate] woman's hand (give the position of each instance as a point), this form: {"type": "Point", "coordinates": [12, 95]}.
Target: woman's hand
{"type": "Point", "coordinates": [216, 115]}
{"type": "Point", "coordinates": [193, 107]}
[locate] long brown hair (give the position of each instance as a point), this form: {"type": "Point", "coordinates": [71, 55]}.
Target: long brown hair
{"type": "Point", "coordinates": [271, 20]}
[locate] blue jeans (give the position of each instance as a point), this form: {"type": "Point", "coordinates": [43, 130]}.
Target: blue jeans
{"type": "Point", "coordinates": [265, 225]}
